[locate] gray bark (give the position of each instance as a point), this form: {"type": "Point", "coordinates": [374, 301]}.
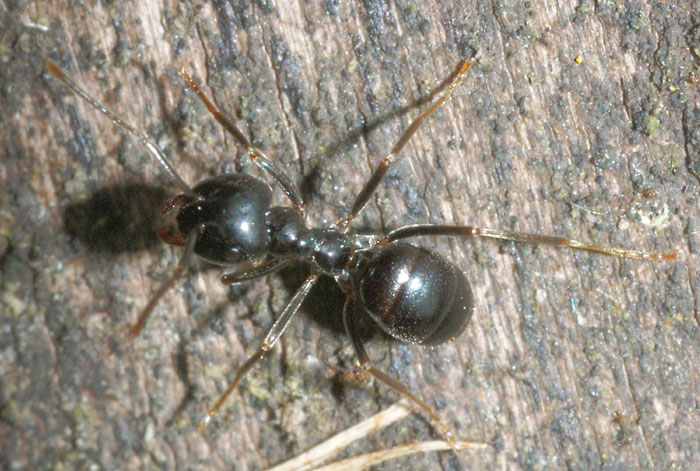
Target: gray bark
{"type": "Point", "coordinates": [580, 119]}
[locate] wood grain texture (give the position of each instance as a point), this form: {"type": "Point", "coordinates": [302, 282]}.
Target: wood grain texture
{"type": "Point", "coordinates": [580, 119]}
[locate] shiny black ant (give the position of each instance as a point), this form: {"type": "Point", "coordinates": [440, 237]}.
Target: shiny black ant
{"type": "Point", "coordinates": [413, 294]}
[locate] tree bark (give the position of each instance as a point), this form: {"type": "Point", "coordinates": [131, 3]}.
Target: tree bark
{"type": "Point", "coordinates": [579, 119]}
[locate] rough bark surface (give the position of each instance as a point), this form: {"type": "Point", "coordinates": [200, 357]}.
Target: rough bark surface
{"type": "Point", "coordinates": [580, 119]}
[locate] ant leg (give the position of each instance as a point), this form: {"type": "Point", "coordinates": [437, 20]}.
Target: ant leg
{"type": "Point", "coordinates": [271, 338]}
{"type": "Point", "coordinates": [135, 329]}
{"type": "Point", "coordinates": [363, 197]}
{"type": "Point", "coordinates": [254, 154]}
{"type": "Point", "coordinates": [250, 271]}
{"type": "Point", "coordinates": [537, 239]}
{"type": "Point", "coordinates": [148, 143]}
{"type": "Point", "coordinates": [366, 367]}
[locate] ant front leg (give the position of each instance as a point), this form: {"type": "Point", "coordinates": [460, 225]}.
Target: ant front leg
{"type": "Point", "coordinates": [254, 154]}
{"type": "Point", "coordinates": [136, 329]}
{"type": "Point", "coordinates": [270, 340]}
{"type": "Point", "coordinates": [349, 322]}
{"type": "Point", "coordinates": [523, 237]}
{"type": "Point", "coordinates": [251, 271]}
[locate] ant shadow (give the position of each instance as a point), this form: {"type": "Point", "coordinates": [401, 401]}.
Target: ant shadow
{"type": "Point", "coordinates": [116, 219]}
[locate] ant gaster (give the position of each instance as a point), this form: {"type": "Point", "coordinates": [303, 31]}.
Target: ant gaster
{"type": "Point", "coordinates": [413, 294]}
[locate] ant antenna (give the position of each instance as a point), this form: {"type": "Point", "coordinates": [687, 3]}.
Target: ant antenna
{"type": "Point", "coordinates": [148, 143]}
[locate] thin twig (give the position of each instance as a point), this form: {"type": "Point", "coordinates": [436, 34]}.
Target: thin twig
{"type": "Point", "coordinates": [334, 445]}
{"type": "Point", "coordinates": [358, 463]}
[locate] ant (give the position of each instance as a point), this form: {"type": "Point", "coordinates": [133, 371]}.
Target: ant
{"type": "Point", "coordinates": [414, 295]}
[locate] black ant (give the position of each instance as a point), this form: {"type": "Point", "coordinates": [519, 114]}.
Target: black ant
{"type": "Point", "coordinates": [413, 294]}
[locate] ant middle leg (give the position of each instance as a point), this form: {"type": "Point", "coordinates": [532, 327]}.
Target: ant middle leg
{"type": "Point", "coordinates": [349, 322]}
{"type": "Point", "coordinates": [375, 179]}
{"type": "Point", "coordinates": [524, 237]}
{"type": "Point", "coordinates": [273, 335]}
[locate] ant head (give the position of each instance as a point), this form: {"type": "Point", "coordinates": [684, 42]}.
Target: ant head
{"type": "Point", "coordinates": [166, 224]}
{"type": "Point", "coordinates": [225, 217]}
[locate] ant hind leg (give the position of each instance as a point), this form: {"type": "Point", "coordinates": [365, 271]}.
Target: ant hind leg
{"type": "Point", "coordinates": [521, 237]}
{"type": "Point", "coordinates": [367, 368]}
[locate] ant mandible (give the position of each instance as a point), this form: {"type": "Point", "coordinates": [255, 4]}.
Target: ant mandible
{"type": "Point", "coordinates": [414, 295]}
